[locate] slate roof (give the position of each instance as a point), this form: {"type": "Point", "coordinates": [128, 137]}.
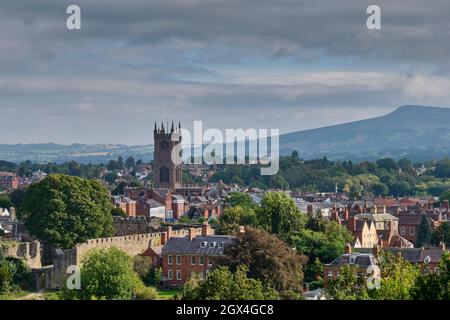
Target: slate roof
{"type": "Point", "coordinates": [186, 246]}
{"type": "Point", "coordinates": [361, 259]}
{"type": "Point", "coordinates": [417, 255]}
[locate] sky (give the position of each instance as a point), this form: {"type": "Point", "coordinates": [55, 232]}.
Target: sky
{"type": "Point", "coordinates": [286, 64]}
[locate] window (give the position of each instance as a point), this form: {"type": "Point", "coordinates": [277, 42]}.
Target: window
{"type": "Point", "coordinates": [170, 259]}
{"type": "Point", "coordinates": [178, 274]}
{"type": "Point", "coordinates": [202, 260]}
{"type": "Point", "coordinates": [209, 261]}
{"type": "Point", "coordinates": [155, 261]}
{"type": "Point", "coordinates": [402, 231]}
{"type": "Point", "coordinates": [193, 260]}
{"type": "Point", "coordinates": [203, 244]}
{"type": "Point", "coordinates": [352, 259]}
{"type": "Point", "coordinates": [221, 245]}
{"type": "Point", "coordinates": [201, 276]}
{"type": "Point", "coordinates": [170, 274]}
{"type": "Point", "coordinates": [164, 174]}
{"type": "Point", "coordinates": [212, 244]}
{"type": "Point", "coordinates": [411, 231]}
{"type": "Point", "coordinates": [178, 260]}
{"type": "Point", "coordinates": [330, 273]}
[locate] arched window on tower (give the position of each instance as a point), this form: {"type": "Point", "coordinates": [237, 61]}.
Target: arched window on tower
{"type": "Point", "coordinates": [164, 174]}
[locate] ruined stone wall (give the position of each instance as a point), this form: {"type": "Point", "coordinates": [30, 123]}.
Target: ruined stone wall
{"type": "Point", "coordinates": [30, 252]}
{"type": "Point", "coordinates": [132, 245]}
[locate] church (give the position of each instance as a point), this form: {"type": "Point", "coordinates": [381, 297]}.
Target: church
{"type": "Point", "coordinates": [166, 173]}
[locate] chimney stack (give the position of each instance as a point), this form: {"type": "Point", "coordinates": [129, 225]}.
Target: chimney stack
{"type": "Point", "coordinates": [191, 234]}
{"type": "Point", "coordinates": [346, 214]}
{"type": "Point", "coordinates": [348, 248]}
{"type": "Point", "coordinates": [206, 231]}
{"type": "Point", "coordinates": [169, 232]}
{"type": "Point", "coordinates": [163, 238]}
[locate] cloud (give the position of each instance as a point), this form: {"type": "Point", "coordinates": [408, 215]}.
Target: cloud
{"type": "Point", "coordinates": [289, 64]}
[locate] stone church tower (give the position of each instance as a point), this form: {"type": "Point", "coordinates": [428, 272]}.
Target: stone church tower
{"type": "Point", "coordinates": [166, 174]}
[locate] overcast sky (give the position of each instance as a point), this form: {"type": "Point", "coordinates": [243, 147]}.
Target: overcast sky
{"type": "Point", "coordinates": [286, 64]}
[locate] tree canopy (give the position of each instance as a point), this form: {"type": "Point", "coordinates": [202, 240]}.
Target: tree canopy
{"type": "Point", "coordinates": [222, 284]}
{"type": "Point", "coordinates": [65, 210]}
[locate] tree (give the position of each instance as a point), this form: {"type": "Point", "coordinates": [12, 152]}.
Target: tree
{"type": "Point", "coordinates": [445, 196]}
{"type": "Point", "coordinates": [6, 276]}
{"type": "Point", "coordinates": [347, 286]}
{"type": "Point", "coordinates": [387, 163]}
{"type": "Point", "coordinates": [5, 202]}
{"type": "Point", "coordinates": [232, 218]}
{"type": "Point", "coordinates": [107, 274]}
{"type": "Point", "coordinates": [425, 232]}
{"type": "Point", "coordinates": [17, 197]}
{"type": "Point", "coordinates": [441, 234]}
{"type": "Point", "coordinates": [434, 285]}
{"type": "Point", "coordinates": [443, 169]}
{"type": "Point", "coordinates": [130, 163]}
{"type": "Point", "coordinates": [398, 278]}
{"type": "Point", "coordinates": [118, 212]}
{"type": "Point", "coordinates": [324, 242]}
{"type": "Point", "coordinates": [221, 284]}
{"type": "Point", "coordinates": [268, 259]}
{"type": "Point", "coordinates": [240, 199]}
{"type": "Point", "coordinates": [65, 210]}
{"type": "Point", "coordinates": [279, 214]}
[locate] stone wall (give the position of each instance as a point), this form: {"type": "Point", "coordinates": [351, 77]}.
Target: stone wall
{"type": "Point", "coordinates": [30, 252]}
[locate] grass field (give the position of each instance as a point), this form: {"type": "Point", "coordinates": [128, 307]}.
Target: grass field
{"type": "Point", "coordinates": [167, 294]}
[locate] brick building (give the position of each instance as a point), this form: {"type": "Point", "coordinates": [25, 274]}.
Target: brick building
{"type": "Point", "coordinates": [126, 204]}
{"type": "Point", "coordinates": [8, 181]}
{"type": "Point", "coordinates": [191, 255]}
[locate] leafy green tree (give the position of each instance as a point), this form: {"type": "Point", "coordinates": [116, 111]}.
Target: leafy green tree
{"type": "Point", "coordinates": [445, 196]}
{"type": "Point", "coordinates": [65, 210]}
{"type": "Point", "coordinates": [130, 162]}
{"type": "Point", "coordinates": [234, 217]}
{"type": "Point", "coordinates": [269, 260]}
{"type": "Point", "coordinates": [398, 278]}
{"type": "Point", "coordinates": [441, 234]}
{"type": "Point", "coordinates": [434, 285]}
{"type": "Point", "coordinates": [443, 169]}
{"type": "Point", "coordinates": [279, 215]}
{"type": "Point", "coordinates": [425, 232]}
{"type": "Point", "coordinates": [221, 284]}
{"type": "Point", "coordinates": [118, 212]}
{"type": "Point", "coordinates": [387, 163]}
{"type": "Point", "coordinates": [348, 285]}
{"type": "Point", "coordinates": [6, 276]}
{"type": "Point", "coordinates": [107, 274]}
{"type": "Point", "coordinates": [241, 199]}
{"type": "Point", "coordinates": [5, 202]}
{"type": "Point", "coordinates": [17, 197]}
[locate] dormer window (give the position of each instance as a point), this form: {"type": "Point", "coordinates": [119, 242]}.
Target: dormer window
{"type": "Point", "coordinates": [203, 244]}
{"type": "Point", "coordinates": [212, 244]}
{"type": "Point", "coordinates": [352, 260]}
{"type": "Point", "coordinates": [221, 245]}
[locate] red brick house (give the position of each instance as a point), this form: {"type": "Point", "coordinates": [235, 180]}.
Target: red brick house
{"type": "Point", "coordinates": [191, 255]}
{"type": "Point", "coordinates": [8, 181]}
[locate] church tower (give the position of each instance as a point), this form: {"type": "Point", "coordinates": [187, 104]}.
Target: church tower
{"type": "Point", "coordinates": [166, 174]}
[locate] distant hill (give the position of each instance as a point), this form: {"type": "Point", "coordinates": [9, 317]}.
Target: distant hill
{"type": "Point", "coordinates": [82, 153]}
{"type": "Point", "coordinates": [417, 132]}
